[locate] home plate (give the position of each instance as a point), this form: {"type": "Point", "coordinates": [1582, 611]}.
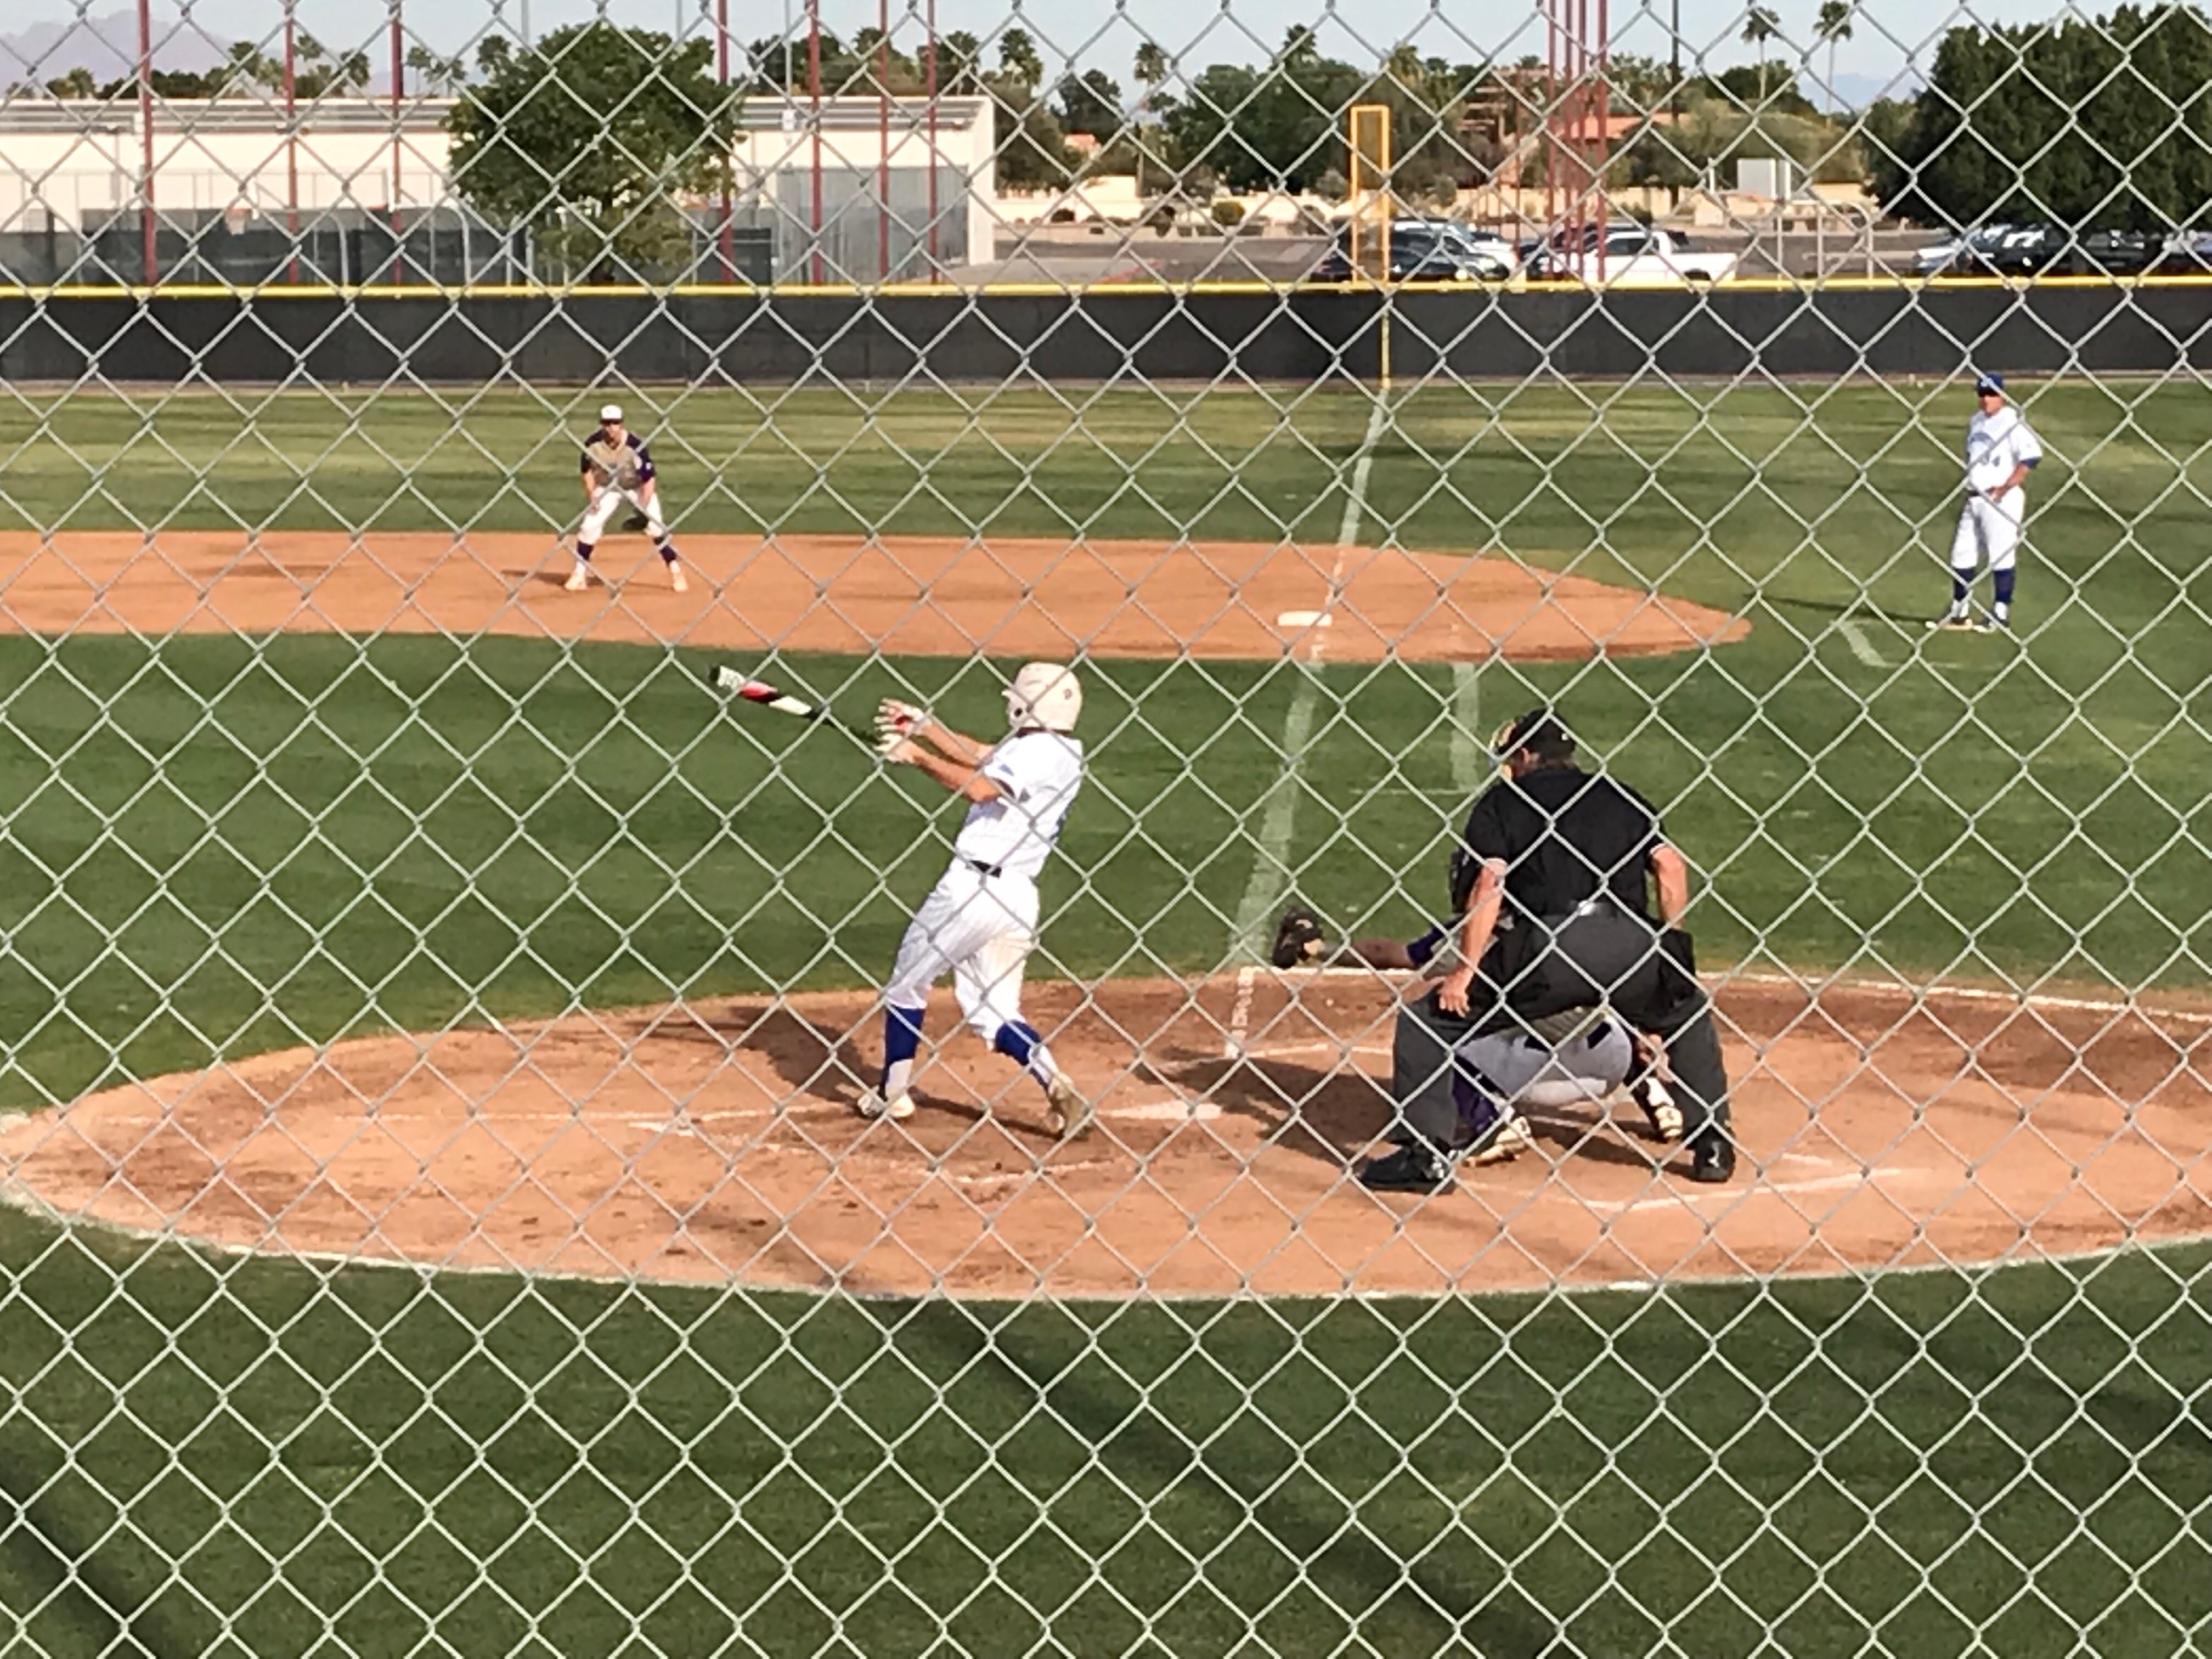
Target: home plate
{"type": "Point", "coordinates": [1168, 1111]}
{"type": "Point", "coordinates": [1302, 619]}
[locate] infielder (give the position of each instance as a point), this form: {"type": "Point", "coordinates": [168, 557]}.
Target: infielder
{"type": "Point", "coordinates": [619, 472]}
{"type": "Point", "coordinates": [2000, 451]}
{"type": "Point", "coordinates": [979, 923]}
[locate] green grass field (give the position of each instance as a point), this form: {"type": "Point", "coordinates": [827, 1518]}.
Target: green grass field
{"type": "Point", "coordinates": [220, 847]}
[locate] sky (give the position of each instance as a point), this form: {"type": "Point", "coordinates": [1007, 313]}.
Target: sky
{"type": "Point", "coordinates": [1892, 44]}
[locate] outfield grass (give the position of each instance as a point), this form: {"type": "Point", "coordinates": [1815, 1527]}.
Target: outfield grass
{"type": "Point", "coordinates": [220, 847]}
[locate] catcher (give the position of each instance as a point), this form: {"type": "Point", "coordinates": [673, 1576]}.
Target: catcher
{"type": "Point", "coordinates": [1548, 886]}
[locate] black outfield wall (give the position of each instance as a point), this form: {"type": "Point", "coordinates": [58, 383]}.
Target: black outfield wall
{"type": "Point", "coordinates": [1160, 336]}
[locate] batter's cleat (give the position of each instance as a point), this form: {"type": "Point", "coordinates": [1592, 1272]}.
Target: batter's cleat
{"type": "Point", "coordinates": [675, 579]}
{"type": "Point", "coordinates": [898, 1109]}
{"type": "Point", "coordinates": [1507, 1144]}
{"type": "Point", "coordinates": [579, 579]}
{"type": "Point", "coordinates": [1412, 1169]}
{"type": "Point", "coordinates": [1071, 1112]}
{"type": "Point", "coordinates": [1660, 1109]}
{"type": "Point", "coordinates": [1993, 625]}
{"type": "Point", "coordinates": [1953, 621]}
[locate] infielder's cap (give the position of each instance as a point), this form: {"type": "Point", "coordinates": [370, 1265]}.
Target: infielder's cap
{"type": "Point", "coordinates": [1538, 729]}
{"type": "Point", "coordinates": [1988, 383]}
{"type": "Point", "coordinates": [610, 414]}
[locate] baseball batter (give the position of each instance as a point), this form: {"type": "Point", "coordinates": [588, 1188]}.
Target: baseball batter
{"type": "Point", "coordinates": [2000, 451]}
{"type": "Point", "coordinates": [617, 473]}
{"type": "Point", "coordinates": [979, 923]}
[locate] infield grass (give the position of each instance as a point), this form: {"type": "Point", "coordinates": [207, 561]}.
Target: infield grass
{"type": "Point", "coordinates": [218, 847]}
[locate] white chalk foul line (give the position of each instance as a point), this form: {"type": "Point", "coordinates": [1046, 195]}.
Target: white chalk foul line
{"type": "Point", "coordinates": [1279, 816]}
{"type": "Point", "coordinates": [1862, 647]}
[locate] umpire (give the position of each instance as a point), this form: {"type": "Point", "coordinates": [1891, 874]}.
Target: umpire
{"type": "Point", "coordinates": [1548, 883]}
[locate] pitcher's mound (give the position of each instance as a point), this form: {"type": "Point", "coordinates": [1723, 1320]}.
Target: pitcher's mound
{"type": "Point", "coordinates": [720, 1142]}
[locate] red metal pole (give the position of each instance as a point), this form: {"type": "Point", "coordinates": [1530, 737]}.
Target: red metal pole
{"type": "Point", "coordinates": [814, 93]}
{"type": "Point", "coordinates": [722, 75]}
{"type": "Point", "coordinates": [398, 77]}
{"type": "Point", "coordinates": [291, 138]}
{"type": "Point", "coordinates": [146, 135]}
{"type": "Point", "coordinates": [883, 140]}
{"type": "Point", "coordinates": [1601, 94]}
{"type": "Point", "coordinates": [929, 92]}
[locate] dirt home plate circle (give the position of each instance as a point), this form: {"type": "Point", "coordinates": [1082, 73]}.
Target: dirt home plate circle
{"type": "Point", "coordinates": [716, 1141]}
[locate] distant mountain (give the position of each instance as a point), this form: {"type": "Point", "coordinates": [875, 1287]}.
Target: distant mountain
{"type": "Point", "coordinates": [107, 45]}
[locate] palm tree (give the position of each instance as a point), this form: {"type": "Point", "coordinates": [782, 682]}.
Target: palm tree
{"type": "Point", "coordinates": [1018, 57]}
{"type": "Point", "coordinates": [1833, 25]}
{"type": "Point", "coordinates": [1152, 63]}
{"type": "Point", "coordinates": [1760, 25]}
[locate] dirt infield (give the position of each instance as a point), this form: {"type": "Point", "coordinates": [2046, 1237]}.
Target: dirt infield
{"type": "Point", "coordinates": [718, 1142]}
{"type": "Point", "coordinates": [914, 595]}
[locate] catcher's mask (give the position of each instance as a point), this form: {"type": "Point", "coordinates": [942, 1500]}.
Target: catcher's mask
{"type": "Point", "coordinates": [1538, 730]}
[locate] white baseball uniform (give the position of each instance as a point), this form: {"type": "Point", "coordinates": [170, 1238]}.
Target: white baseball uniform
{"type": "Point", "coordinates": [1996, 445]}
{"type": "Point", "coordinates": [979, 922]}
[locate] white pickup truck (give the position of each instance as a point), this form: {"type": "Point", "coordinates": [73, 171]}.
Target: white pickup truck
{"type": "Point", "coordinates": [1636, 256]}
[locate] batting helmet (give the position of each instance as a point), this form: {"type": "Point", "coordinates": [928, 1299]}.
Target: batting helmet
{"type": "Point", "coordinates": [1045, 694]}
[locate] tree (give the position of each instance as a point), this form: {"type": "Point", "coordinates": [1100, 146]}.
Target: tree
{"type": "Point", "coordinates": [1833, 25]}
{"type": "Point", "coordinates": [1019, 59]}
{"type": "Point", "coordinates": [77, 83]}
{"type": "Point", "coordinates": [2093, 122]}
{"type": "Point", "coordinates": [316, 74]}
{"type": "Point", "coordinates": [960, 63]}
{"type": "Point", "coordinates": [1760, 25]}
{"type": "Point", "coordinates": [442, 76]}
{"type": "Point", "coordinates": [594, 137]}
{"type": "Point", "coordinates": [1092, 103]}
{"type": "Point", "coordinates": [1151, 67]}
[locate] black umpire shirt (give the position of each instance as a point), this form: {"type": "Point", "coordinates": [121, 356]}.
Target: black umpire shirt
{"type": "Point", "coordinates": [1565, 837]}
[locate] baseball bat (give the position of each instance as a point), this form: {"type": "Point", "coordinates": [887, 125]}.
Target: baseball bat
{"type": "Point", "coordinates": [727, 679]}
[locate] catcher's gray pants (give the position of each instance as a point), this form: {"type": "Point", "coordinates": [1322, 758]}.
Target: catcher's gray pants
{"type": "Point", "coordinates": [1602, 958]}
{"type": "Point", "coordinates": [1456, 1087]}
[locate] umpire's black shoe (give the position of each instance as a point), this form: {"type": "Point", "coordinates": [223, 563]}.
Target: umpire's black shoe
{"type": "Point", "coordinates": [1712, 1157]}
{"type": "Point", "coordinates": [1413, 1168]}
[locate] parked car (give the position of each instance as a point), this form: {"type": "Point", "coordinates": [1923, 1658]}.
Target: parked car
{"type": "Point", "coordinates": [1631, 256]}
{"type": "Point", "coordinates": [1421, 251]}
{"type": "Point", "coordinates": [2188, 254]}
{"type": "Point", "coordinates": [1941, 257]}
{"type": "Point", "coordinates": [2031, 250]}
{"type": "Point", "coordinates": [1479, 247]}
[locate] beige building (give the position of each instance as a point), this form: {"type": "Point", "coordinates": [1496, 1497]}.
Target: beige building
{"type": "Point", "coordinates": [815, 176]}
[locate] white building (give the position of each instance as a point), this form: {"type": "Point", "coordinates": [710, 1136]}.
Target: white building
{"type": "Point", "coordinates": [816, 174]}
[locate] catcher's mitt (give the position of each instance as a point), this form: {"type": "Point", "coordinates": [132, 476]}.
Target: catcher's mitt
{"type": "Point", "coordinates": [1299, 942]}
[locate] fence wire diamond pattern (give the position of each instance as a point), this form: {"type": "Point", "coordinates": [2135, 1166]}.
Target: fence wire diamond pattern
{"type": "Point", "coordinates": [1095, 503]}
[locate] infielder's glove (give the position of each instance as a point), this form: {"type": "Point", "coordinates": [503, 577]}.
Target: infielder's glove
{"type": "Point", "coordinates": [635, 521]}
{"type": "Point", "coordinates": [1299, 941]}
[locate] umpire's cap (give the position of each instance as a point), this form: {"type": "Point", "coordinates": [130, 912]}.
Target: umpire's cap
{"type": "Point", "coordinates": [1538, 729]}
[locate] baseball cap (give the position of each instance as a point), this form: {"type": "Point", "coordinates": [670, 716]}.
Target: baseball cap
{"type": "Point", "coordinates": [1990, 382]}
{"type": "Point", "coordinates": [610, 414]}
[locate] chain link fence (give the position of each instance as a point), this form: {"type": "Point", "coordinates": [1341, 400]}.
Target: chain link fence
{"type": "Point", "coordinates": [492, 1167]}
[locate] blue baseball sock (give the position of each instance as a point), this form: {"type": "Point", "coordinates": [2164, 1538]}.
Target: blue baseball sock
{"type": "Point", "coordinates": [668, 552]}
{"type": "Point", "coordinates": [1020, 1044]}
{"type": "Point", "coordinates": [2004, 594]}
{"type": "Point", "coordinates": [1962, 583]}
{"type": "Point", "coordinates": [584, 550]}
{"type": "Point", "coordinates": [901, 1043]}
